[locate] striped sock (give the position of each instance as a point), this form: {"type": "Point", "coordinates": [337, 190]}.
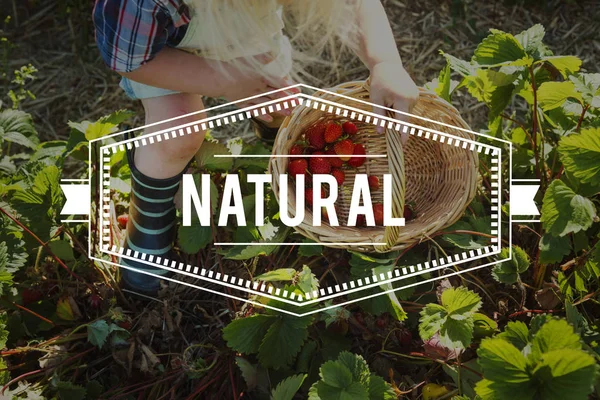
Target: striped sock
{"type": "Point", "coordinates": [151, 228]}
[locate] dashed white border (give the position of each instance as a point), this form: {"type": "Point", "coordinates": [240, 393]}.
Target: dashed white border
{"type": "Point", "coordinates": [269, 290]}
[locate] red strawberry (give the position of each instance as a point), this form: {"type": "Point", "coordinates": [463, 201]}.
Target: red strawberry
{"type": "Point", "coordinates": [404, 337]}
{"type": "Point", "coordinates": [315, 136]}
{"type": "Point", "coordinates": [409, 212]}
{"type": "Point", "coordinates": [308, 194]}
{"type": "Point", "coordinates": [122, 220]}
{"type": "Point", "coordinates": [378, 213]}
{"type": "Point", "coordinates": [95, 301]}
{"type": "Point", "coordinates": [332, 132]}
{"type": "Point", "coordinates": [296, 150]}
{"type": "Point", "coordinates": [360, 220]}
{"type": "Point", "coordinates": [29, 295]}
{"type": "Point", "coordinates": [381, 322]}
{"type": "Point", "coordinates": [319, 165]}
{"type": "Point", "coordinates": [344, 149]}
{"type": "Point", "coordinates": [373, 182]}
{"type": "Point", "coordinates": [339, 176]}
{"type": "Point", "coordinates": [298, 167]}
{"type": "Point", "coordinates": [349, 128]}
{"type": "Point", "coordinates": [335, 162]}
{"type": "Point", "coordinates": [359, 150]}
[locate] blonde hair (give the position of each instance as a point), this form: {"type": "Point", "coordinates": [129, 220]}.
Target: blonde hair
{"type": "Point", "coordinates": [319, 31]}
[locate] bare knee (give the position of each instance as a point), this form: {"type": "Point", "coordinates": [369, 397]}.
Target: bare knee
{"type": "Point", "coordinates": [169, 156]}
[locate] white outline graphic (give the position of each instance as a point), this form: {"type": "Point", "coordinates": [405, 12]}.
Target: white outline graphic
{"type": "Point", "coordinates": [267, 290]}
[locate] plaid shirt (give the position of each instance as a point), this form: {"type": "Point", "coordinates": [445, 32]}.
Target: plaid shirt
{"type": "Point", "coordinates": [130, 33]}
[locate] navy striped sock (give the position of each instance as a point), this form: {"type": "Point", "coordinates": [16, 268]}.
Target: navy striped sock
{"type": "Point", "coordinates": [151, 227]}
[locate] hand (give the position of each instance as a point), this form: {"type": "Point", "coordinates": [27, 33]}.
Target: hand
{"type": "Point", "coordinates": [392, 87]}
{"type": "Point", "coordinates": [237, 85]}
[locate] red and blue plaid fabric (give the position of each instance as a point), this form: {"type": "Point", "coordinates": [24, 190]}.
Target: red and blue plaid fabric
{"type": "Point", "coordinates": [130, 33]}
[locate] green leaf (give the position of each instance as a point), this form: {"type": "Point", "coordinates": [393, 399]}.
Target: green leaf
{"type": "Point", "coordinates": [287, 388]}
{"type": "Point", "coordinates": [282, 274]}
{"type": "Point", "coordinates": [335, 374]}
{"type": "Point", "coordinates": [553, 249]}
{"type": "Point", "coordinates": [465, 68]}
{"type": "Point", "coordinates": [70, 391]}
{"type": "Point", "coordinates": [380, 389]}
{"type": "Point", "coordinates": [508, 271]}
{"type": "Point", "coordinates": [516, 333]}
{"type": "Point", "coordinates": [249, 372]}
{"type": "Point", "coordinates": [484, 326]}
{"type": "Point", "coordinates": [206, 156]}
{"type": "Point", "coordinates": [193, 238]}
{"type": "Point", "coordinates": [246, 334]}
{"type": "Point", "coordinates": [589, 87]}
{"type": "Point", "coordinates": [17, 127]}
{"type": "Point", "coordinates": [565, 65]}
{"type": "Point", "coordinates": [457, 334]}
{"type": "Point", "coordinates": [444, 83]}
{"type": "Point", "coordinates": [283, 341]}
{"type": "Point", "coordinates": [460, 301]}
{"type": "Point", "coordinates": [580, 154]}
{"type": "Point", "coordinates": [565, 374]}
{"type": "Point", "coordinates": [505, 370]}
{"type": "Point", "coordinates": [552, 95]}
{"type": "Point", "coordinates": [433, 316]}
{"type": "Point", "coordinates": [564, 212]}
{"type": "Point", "coordinates": [62, 249]}
{"type": "Point", "coordinates": [531, 39]}
{"type": "Point", "coordinates": [310, 251]}
{"type": "Point", "coordinates": [356, 364]}
{"type": "Point", "coordinates": [554, 335]}
{"type": "Point", "coordinates": [498, 48]}
{"type": "Point", "coordinates": [98, 332]}
{"type": "Point", "coordinates": [3, 331]}
{"type": "Point", "coordinates": [306, 280]}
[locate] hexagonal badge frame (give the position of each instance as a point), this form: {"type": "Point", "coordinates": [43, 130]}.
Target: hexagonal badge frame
{"type": "Point", "coordinates": [207, 279]}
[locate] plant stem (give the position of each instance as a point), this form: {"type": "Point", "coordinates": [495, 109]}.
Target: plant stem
{"type": "Point", "coordinates": [535, 124]}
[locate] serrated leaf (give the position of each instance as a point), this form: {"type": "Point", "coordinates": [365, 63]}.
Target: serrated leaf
{"type": "Point", "coordinates": [484, 326]}
{"type": "Point", "coordinates": [433, 316]}
{"type": "Point", "coordinates": [62, 249]}
{"type": "Point", "coordinates": [306, 280]}
{"type": "Point", "coordinates": [283, 341]}
{"type": "Point", "coordinates": [70, 391]}
{"type": "Point", "coordinates": [356, 364]}
{"type": "Point", "coordinates": [3, 331]}
{"type": "Point", "coordinates": [457, 334]}
{"type": "Point", "coordinates": [498, 48]}
{"type": "Point", "coordinates": [98, 332]}
{"type": "Point", "coordinates": [335, 374]}
{"type": "Point", "coordinates": [580, 154]}
{"type": "Point", "coordinates": [564, 212]}
{"type": "Point", "coordinates": [287, 388]}
{"type": "Point", "coordinates": [246, 334]}
{"type": "Point", "coordinates": [249, 372]}
{"type": "Point", "coordinates": [278, 275]}
{"type": "Point", "coordinates": [506, 368]}
{"type": "Point", "coordinates": [17, 127]}
{"type": "Point", "coordinates": [379, 389]}
{"type": "Point", "coordinates": [193, 238]}
{"type": "Point", "coordinates": [516, 333]}
{"type": "Point", "coordinates": [460, 301]}
{"type": "Point", "coordinates": [444, 83]}
{"type": "Point", "coordinates": [206, 156]}
{"type": "Point", "coordinates": [64, 310]}
{"type": "Point", "coordinates": [553, 249]}
{"type": "Point", "coordinates": [465, 68]}
{"type": "Point", "coordinates": [565, 374]}
{"type": "Point", "coordinates": [589, 87]}
{"type": "Point", "coordinates": [565, 65]}
{"type": "Point", "coordinates": [531, 39]}
{"type": "Point", "coordinates": [554, 335]}
{"type": "Point", "coordinates": [552, 95]}
{"type": "Point", "coordinates": [508, 271]}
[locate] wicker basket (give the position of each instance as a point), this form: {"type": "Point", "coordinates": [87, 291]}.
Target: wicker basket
{"type": "Point", "coordinates": [438, 179]}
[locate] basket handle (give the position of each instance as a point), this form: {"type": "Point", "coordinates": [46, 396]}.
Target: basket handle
{"type": "Point", "coordinates": [397, 171]}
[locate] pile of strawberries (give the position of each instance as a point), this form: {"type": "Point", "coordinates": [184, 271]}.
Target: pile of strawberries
{"type": "Point", "coordinates": [335, 141]}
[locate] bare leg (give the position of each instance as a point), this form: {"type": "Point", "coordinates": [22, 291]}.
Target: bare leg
{"type": "Point", "coordinates": [156, 172]}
